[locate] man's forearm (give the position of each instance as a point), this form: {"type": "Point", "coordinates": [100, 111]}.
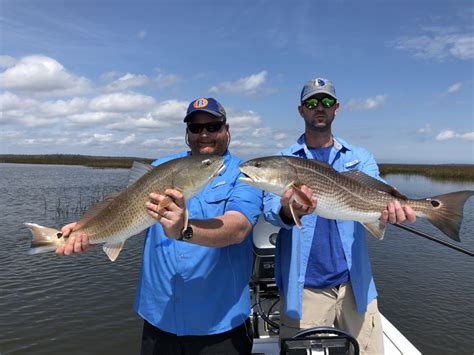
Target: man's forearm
{"type": "Point", "coordinates": [231, 228]}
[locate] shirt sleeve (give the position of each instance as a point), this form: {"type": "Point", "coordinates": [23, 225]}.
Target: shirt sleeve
{"type": "Point", "coordinates": [369, 165]}
{"type": "Point", "coordinates": [247, 200]}
{"type": "Point", "coordinates": [271, 210]}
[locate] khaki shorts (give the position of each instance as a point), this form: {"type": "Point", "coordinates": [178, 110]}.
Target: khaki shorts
{"type": "Point", "coordinates": [336, 307]}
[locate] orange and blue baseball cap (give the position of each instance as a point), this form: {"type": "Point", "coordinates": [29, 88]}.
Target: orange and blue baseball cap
{"type": "Point", "coordinates": [206, 104]}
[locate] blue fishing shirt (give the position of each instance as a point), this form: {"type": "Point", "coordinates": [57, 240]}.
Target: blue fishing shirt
{"type": "Point", "coordinates": [294, 244]}
{"type": "Point", "coordinates": [327, 266]}
{"type": "Point", "coordinates": [188, 289]}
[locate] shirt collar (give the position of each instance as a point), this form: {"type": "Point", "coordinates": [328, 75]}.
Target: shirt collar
{"type": "Point", "coordinates": [301, 146]}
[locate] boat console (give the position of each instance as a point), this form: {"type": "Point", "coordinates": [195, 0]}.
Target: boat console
{"type": "Point", "coordinates": [266, 311]}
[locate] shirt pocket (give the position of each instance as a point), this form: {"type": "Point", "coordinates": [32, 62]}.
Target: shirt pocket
{"type": "Point", "coordinates": [215, 200]}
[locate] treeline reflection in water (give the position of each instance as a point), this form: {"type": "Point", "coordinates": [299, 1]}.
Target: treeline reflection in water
{"type": "Point", "coordinates": [83, 304]}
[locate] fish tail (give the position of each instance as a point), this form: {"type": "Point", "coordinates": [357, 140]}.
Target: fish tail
{"type": "Point", "coordinates": [447, 212]}
{"type": "Point", "coordinates": [44, 239]}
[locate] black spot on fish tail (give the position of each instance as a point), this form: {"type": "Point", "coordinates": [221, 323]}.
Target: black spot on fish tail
{"type": "Point", "coordinates": [447, 212]}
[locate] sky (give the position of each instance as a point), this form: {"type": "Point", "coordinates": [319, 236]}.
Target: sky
{"type": "Point", "coordinates": [115, 78]}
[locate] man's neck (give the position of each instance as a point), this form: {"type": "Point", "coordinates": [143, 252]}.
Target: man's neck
{"type": "Point", "coordinates": [320, 140]}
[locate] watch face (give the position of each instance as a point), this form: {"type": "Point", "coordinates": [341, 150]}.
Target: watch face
{"type": "Point", "coordinates": [187, 233]}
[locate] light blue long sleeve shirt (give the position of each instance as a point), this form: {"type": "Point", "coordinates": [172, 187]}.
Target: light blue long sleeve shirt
{"type": "Point", "coordinates": [188, 289]}
{"type": "Point", "coordinates": [294, 244]}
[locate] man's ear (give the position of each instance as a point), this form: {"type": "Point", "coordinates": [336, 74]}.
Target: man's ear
{"type": "Point", "coordinates": [300, 110]}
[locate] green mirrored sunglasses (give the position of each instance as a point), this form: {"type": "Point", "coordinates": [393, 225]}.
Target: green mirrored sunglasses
{"type": "Point", "coordinates": [327, 102]}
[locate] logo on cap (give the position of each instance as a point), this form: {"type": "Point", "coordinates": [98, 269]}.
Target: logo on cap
{"type": "Point", "coordinates": [319, 82]}
{"type": "Point", "coordinates": [200, 103]}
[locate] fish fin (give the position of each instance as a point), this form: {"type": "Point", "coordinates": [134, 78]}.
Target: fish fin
{"type": "Point", "coordinates": [377, 229]}
{"type": "Point", "coordinates": [95, 210]}
{"type": "Point", "coordinates": [186, 216]}
{"type": "Point", "coordinates": [113, 250]}
{"type": "Point", "coordinates": [137, 170]}
{"type": "Point", "coordinates": [319, 163]}
{"type": "Point", "coordinates": [447, 212]}
{"type": "Point", "coordinates": [165, 202]}
{"type": "Point", "coordinates": [299, 196]}
{"type": "Point", "coordinates": [45, 239]}
{"type": "Point", "coordinates": [296, 218]}
{"type": "Point", "coordinates": [372, 182]}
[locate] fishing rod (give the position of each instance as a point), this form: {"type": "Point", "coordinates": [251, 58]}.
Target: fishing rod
{"type": "Point", "coordinates": [430, 237]}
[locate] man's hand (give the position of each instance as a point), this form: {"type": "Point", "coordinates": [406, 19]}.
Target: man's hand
{"type": "Point", "coordinates": [74, 245]}
{"type": "Point", "coordinates": [169, 210]}
{"type": "Point", "coordinates": [299, 208]}
{"type": "Point", "coordinates": [396, 213]}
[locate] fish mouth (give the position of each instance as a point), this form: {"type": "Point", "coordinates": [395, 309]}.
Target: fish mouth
{"type": "Point", "coordinates": [219, 171]}
{"type": "Point", "coordinates": [246, 178]}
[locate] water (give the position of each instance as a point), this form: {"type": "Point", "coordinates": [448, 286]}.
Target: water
{"type": "Point", "coordinates": [83, 304]}
{"type": "Point", "coordinates": [425, 289]}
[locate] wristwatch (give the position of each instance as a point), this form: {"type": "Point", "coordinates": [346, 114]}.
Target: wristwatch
{"type": "Point", "coordinates": [186, 234]}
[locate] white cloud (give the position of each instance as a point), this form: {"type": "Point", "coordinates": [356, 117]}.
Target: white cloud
{"type": "Point", "coordinates": [6, 61]}
{"type": "Point", "coordinates": [45, 141]}
{"type": "Point", "coordinates": [119, 102]}
{"type": "Point", "coordinates": [128, 139]}
{"type": "Point", "coordinates": [425, 129]}
{"type": "Point", "coordinates": [94, 139]}
{"type": "Point", "coordinates": [170, 110]}
{"type": "Point", "coordinates": [450, 134]}
{"type": "Point", "coordinates": [455, 88]}
{"type": "Point", "coordinates": [92, 118]}
{"type": "Point", "coordinates": [39, 74]}
{"type": "Point", "coordinates": [167, 143]}
{"type": "Point", "coordinates": [127, 81]}
{"type": "Point", "coordinates": [10, 101]}
{"type": "Point", "coordinates": [245, 144]}
{"type": "Point", "coordinates": [366, 104]}
{"type": "Point", "coordinates": [438, 46]}
{"type": "Point", "coordinates": [62, 107]}
{"type": "Point", "coordinates": [249, 85]}
{"type": "Point", "coordinates": [163, 80]}
{"type": "Point", "coordinates": [243, 121]}
{"type": "Point", "coordinates": [266, 132]}
{"type": "Point", "coordinates": [469, 136]}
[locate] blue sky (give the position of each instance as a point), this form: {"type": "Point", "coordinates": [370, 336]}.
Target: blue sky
{"type": "Point", "coordinates": [115, 77]}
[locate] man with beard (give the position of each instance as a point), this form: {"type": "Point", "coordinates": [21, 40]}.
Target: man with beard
{"type": "Point", "coordinates": [193, 289]}
{"type": "Point", "coordinates": [323, 270]}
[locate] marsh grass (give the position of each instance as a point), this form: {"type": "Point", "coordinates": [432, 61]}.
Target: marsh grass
{"type": "Point", "coordinates": [67, 159]}
{"type": "Point", "coordinates": [76, 204]}
{"type": "Point", "coordinates": [454, 172]}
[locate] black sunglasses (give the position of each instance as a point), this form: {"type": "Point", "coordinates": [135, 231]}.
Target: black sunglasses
{"type": "Point", "coordinates": [211, 127]}
{"type": "Point", "coordinates": [327, 102]}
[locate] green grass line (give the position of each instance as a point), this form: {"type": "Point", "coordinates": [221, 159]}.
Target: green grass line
{"type": "Point", "coordinates": [67, 159]}
{"type": "Point", "coordinates": [458, 172]}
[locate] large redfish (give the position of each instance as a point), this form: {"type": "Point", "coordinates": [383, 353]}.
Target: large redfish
{"type": "Point", "coordinates": [120, 216]}
{"type": "Point", "coordinates": [350, 195]}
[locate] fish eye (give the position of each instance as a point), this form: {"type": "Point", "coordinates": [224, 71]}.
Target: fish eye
{"type": "Point", "coordinates": [258, 164]}
{"type": "Point", "coordinates": [206, 162]}
{"type": "Point", "coordinates": [59, 235]}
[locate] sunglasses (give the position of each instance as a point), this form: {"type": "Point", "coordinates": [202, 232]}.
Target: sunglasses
{"type": "Point", "coordinates": [327, 102]}
{"type": "Point", "coordinates": [210, 127]}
